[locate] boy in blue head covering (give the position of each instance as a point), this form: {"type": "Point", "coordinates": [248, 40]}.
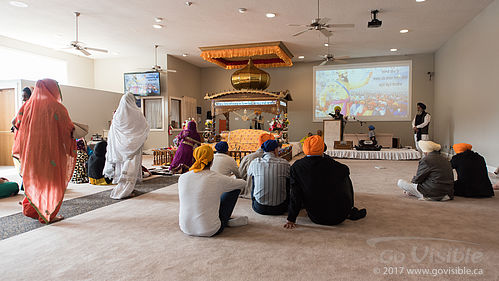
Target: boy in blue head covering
{"type": "Point", "coordinates": [224, 163]}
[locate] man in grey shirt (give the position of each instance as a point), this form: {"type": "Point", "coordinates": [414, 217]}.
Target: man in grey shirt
{"type": "Point", "coordinates": [434, 179]}
{"type": "Point", "coordinates": [270, 174]}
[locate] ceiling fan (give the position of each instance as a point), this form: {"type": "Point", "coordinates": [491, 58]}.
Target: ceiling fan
{"type": "Point", "coordinates": [330, 57]}
{"type": "Point", "coordinates": [78, 45]}
{"type": "Point", "coordinates": [320, 24]}
{"type": "Point", "coordinates": [157, 67]}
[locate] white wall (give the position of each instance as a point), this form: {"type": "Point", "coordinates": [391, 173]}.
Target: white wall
{"type": "Point", "coordinates": [88, 106]}
{"type": "Point", "coordinates": [80, 69]}
{"type": "Point", "coordinates": [466, 91]}
{"type": "Point", "coordinates": [299, 80]}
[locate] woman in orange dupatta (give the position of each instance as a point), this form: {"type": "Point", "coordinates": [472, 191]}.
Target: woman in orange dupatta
{"type": "Point", "coordinates": [44, 145]}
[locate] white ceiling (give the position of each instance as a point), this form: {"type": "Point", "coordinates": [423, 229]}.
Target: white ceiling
{"type": "Point", "coordinates": [124, 26]}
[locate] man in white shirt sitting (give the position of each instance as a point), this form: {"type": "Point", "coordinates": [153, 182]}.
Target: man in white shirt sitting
{"type": "Point", "coordinates": [270, 176]}
{"type": "Point", "coordinates": [207, 198]}
{"type": "Point", "coordinates": [223, 163]}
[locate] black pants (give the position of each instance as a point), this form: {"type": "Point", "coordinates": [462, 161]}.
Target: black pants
{"type": "Point", "coordinates": [270, 210]}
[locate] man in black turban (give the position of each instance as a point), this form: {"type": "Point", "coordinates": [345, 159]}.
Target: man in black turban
{"type": "Point", "coordinates": [421, 124]}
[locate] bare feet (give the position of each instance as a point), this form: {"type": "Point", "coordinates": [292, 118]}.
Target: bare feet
{"type": "Point", "coordinates": [56, 219]}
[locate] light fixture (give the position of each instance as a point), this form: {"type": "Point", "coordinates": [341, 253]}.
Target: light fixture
{"type": "Point", "coordinates": [404, 30]}
{"type": "Point", "coordinates": [184, 55]}
{"type": "Point", "coordinates": [242, 10]}
{"type": "Point", "coordinates": [188, 3]}
{"type": "Point", "coordinates": [393, 49]}
{"type": "Point", "coordinates": [420, 0]}
{"type": "Point", "coordinates": [158, 19]}
{"type": "Point", "coordinates": [157, 26]}
{"type": "Point", "coordinates": [18, 4]}
{"type": "Point", "coordinates": [270, 15]}
{"type": "Point", "coordinates": [301, 57]}
{"type": "Point", "coordinates": [326, 44]}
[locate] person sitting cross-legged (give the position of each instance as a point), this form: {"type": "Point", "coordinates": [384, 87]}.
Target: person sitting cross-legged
{"type": "Point", "coordinates": [207, 198]}
{"type": "Point", "coordinates": [223, 163]}
{"type": "Point", "coordinates": [270, 177]}
{"type": "Point", "coordinates": [472, 175]}
{"type": "Point", "coordinates": [434, 179]}
{"type": "Point", "coordinates": [246, 161]}
{"type": "Point", "coordinates": [322, 186]}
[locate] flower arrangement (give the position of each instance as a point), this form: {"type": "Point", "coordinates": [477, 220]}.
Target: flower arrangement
{"type": "Point", "coordinates": [278, 124]}
{"type": "Point", "coordinates": [208, 123]}
{"type": "Point", "coordinates": [184, 125]}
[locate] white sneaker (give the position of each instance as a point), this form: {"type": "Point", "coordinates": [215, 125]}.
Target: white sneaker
{"type": "Point", "coordinates": [238, 221]}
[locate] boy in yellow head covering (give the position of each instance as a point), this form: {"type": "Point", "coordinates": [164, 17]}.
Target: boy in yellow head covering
{"type": "Point", "coordinates": [207, 198]}
{"type": "Point", "coordinates": [472, 175]}
{"type": "Point", "coordinates": [322, 186]}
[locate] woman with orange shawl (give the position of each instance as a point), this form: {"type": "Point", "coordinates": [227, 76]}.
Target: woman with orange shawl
{"type": "Point", "coordinates": [44, 145]}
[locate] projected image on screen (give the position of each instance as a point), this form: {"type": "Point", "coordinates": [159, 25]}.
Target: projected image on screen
{"type": "Point", "coordinates": [371, 92]}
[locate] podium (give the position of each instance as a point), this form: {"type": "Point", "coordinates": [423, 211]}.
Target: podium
{"type": "Point", "coordinates": [332, 132]}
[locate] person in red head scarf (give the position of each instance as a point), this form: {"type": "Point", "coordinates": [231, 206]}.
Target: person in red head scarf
{"type": "Point", "coordinates": [44, 145]}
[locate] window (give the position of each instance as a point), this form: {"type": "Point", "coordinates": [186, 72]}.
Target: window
{"type": "Point", "coordinates": [23, 65]}
{"type": "Point", "coordinates": [153, 109]}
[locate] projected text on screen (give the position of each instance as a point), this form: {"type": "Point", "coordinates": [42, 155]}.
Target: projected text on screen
{"type": "Point", "coordinates": [370, 92]}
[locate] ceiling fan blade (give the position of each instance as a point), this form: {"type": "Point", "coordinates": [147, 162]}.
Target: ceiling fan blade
{"type": "Point", "coordinates": [84, 51]}
{"type": "Point", "coordinates": [343, 57]}
{"type": "Point", "coordinates": [323, 21]}
{"type": "Point", "coordinates": [301, 32]}
{"type": "Point", "coordinates": [294, 24]}
{"type": "Point", "coordinates": [323, 63]}
{"type": "Point", "coordinates": [341, 25]}
{"type": "Point", "coordinates": [339, 61]}
{"type": "Point", "coordinates": [168, 70]}
{"type": "Point", "coordinates": [326, 32]}
{"type": "Point", "coordinates": [95, 49]}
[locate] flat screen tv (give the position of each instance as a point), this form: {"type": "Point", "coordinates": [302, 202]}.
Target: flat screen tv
{"type": "Point", "coordinates": [142, 83]}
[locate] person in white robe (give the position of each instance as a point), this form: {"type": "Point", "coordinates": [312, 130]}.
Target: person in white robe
{"type": "Point", "coordinates": [127, 135]}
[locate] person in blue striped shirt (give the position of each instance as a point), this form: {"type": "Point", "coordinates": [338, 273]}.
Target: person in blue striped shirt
{"type": "Point", "coordinates": [270, 177]}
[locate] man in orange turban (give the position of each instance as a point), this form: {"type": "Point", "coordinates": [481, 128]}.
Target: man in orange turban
{"type": "Point", "coordinates": [322, 186]}
{"type": "Point", "coordinates": [207, 198]}
{"type": "Point", "coordinates": [472, 175]}
{"type": "Point", "coordinates": [245, 163]}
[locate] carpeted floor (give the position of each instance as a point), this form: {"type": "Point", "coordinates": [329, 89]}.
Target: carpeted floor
{"type": "Point", "coordinates": [139, 239]}
{"type": "Point", "coordinates": [17, 223]}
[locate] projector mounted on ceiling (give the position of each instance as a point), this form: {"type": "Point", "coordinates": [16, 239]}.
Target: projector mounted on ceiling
{"type": "Point", "coordinates": [374, 23]}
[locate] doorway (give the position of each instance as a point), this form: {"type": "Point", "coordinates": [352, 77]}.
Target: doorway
{"type": "Point", "coordinates": [7, 112]}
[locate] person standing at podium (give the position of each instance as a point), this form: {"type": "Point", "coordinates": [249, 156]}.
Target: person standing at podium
{"type": "Point", "coordinates": [421, 124]}
{"type": "Point", "coordinates": [338, 116]}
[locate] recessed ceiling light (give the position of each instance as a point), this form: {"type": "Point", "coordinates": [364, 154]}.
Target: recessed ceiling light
{"type": "Point", "coordinates": [18, 4]}
{"type": "Point", "coordinates": [188, 3]}
{"type": "Point", "coordinates": [326, 44]}
{"type": "Point", "coordinates": [158, 19]}
{"type": "Point", "coordinates": [242, 10]}
{"type": "Point", "coordinates": [420, 0]}
{"type": "Point", "coordinates": [157, 26]}
{"type": "Point", "coordinates": [404, 30]}
{"type": "Point", "coordinates": [393, 49]}
{"type": "Point", "coordinates": [270, 15]}
{"type": "Point", "coordinates": [184, 55]}
{"type": "Point", "coordinates": [301, 57]}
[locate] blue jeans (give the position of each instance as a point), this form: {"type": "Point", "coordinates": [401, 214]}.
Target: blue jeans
{"type": "Point", "coordinates": [227, 203]}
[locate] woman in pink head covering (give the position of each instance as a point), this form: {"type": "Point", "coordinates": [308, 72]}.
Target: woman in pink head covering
{"type": "Point", "coordinates": [44, 145]}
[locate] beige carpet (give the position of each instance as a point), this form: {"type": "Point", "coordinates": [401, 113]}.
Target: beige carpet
{"type": "Point", "coordinates": [139, 239]}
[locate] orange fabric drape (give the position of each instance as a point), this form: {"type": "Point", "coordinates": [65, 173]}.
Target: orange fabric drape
{"type": "Point", "coordinates": [45, 148]}
{"type": "Point", "coordinates": [210, 56]}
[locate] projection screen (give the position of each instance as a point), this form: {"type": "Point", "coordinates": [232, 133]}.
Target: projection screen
{"type": "Point", "coordinates": [378, 91]}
